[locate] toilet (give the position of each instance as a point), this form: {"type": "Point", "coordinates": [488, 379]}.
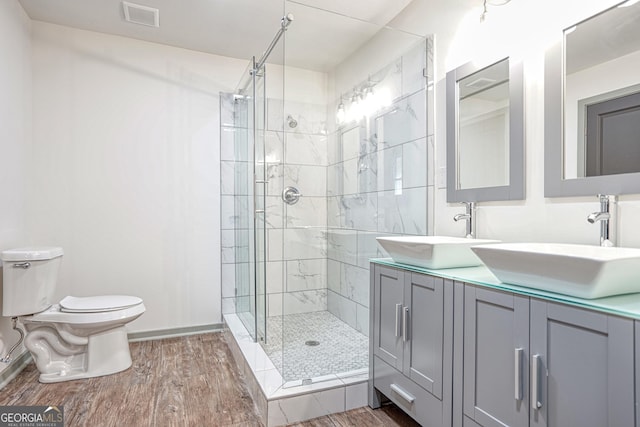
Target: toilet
{"type": "Point", "coordinates": [79, 337]}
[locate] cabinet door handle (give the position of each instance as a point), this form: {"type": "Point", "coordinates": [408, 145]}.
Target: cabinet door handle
{"type": "Point", "coordinates": [518, 373]}
{"type": "Point", "coordinates": [398, 324]}
{"type": "Point", "coordinates": [403, 394]}
{"type": "Point", "coordinates": [535, 382]}
{"type": "Point", "coordinates": [405, 325]}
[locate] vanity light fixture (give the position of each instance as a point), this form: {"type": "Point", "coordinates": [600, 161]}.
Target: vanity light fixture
{"type": "Point", "coordinates": [367, 92]}
{"type": "Point", "coordinates": [340, 113]}
{"type": "Point", "coordinates": [364, 100]}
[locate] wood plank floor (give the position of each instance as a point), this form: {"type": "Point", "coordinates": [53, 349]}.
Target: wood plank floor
{"type": "Point", "coordinates": [186, 381]}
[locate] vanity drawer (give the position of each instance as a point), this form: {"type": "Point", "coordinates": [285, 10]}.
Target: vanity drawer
{"type": "Point", "coordinates": [410, 397]}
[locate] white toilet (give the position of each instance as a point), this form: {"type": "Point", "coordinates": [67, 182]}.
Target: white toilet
{"type": "Point", "coordinates": [76, 338]}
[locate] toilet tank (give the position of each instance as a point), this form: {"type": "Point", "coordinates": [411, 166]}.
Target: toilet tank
{"type": "Point", "coordinates": [29, 278]}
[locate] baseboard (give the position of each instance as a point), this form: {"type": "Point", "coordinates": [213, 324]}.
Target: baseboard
{"type": "Point", "coordinates": [174, 332]}
{"type": "Point", "coordinates": [14, 368]}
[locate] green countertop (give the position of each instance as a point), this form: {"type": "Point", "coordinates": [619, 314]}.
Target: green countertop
{"type": "Point", "coordinates": [627, 305]}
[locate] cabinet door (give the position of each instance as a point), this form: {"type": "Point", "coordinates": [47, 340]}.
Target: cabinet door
{"type": "Point", "coordinates": [424, 316]}
{"type": "Point", "coordinates": [388, 306]}
{"type": "Point", "coordinates": [496, 341]}
{"type": "Point", "coordinates": [584, 373]}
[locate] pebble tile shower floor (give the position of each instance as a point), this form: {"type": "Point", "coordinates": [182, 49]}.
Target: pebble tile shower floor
{"type": "Point", "coordinates": [340, 348]}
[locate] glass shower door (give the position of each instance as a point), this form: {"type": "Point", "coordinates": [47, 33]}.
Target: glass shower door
{"type": "Point", "coordinates": [249, 209]}
{"type": "Point", "coordinates": [260, 190]}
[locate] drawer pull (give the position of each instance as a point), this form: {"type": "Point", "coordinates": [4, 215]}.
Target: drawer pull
{"type": "Point", "coordinates": [403, 394]}
{"type": "Point", "coordinates": [398, 324]}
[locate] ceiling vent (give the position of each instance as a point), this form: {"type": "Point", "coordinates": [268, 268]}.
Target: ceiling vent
{"type": "Point", "coordinates": [480, 82]}
{"type": "Point", "coordinates": [143, 15]}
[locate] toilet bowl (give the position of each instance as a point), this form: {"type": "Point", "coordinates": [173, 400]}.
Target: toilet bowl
{"type": "Point", "coordinates": [79, 337]}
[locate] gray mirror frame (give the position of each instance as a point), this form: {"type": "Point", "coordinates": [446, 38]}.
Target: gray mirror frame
{"type": "Point", "coordinates": [554, 183]}
{"type": "Point", "coordinates": [516, 188]}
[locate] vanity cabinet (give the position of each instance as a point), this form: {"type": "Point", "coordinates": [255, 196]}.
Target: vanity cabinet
{"type": "Point", "coordinates": [495, 353]}
{"type": "Point", "coordinates": [530, 362]}
{"type": "Point", "coordinates": [451, 353]}
{"type": "Point", "coordinates": [411, 335]}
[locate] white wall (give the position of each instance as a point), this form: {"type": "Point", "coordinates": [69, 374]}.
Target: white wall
{"type": "Point", "coordinates": [126, 170]}
{"type": "Point", "coordinates": [523, 28]}
{"type": "Point", "coordinates": [15, 136]}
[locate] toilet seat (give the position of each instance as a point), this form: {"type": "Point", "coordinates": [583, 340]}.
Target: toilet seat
{"type": "Point", "coordinates": [97, 304]}
{"type": "Point", "coordinates": [54, 314]}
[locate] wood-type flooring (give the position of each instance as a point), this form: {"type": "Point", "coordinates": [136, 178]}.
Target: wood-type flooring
{"type": "Point", "coordinates": [185, 381]}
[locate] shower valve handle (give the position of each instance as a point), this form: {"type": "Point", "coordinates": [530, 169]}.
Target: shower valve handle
{"type": "Point", "coordinates": [291, 195]}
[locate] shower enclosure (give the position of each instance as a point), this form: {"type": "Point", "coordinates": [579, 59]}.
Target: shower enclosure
{"type": "Point", "coordinates": [307, 189]}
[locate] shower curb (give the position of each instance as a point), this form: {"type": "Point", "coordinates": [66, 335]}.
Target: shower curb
{"type": "Point", "coordinates": [278, 403]}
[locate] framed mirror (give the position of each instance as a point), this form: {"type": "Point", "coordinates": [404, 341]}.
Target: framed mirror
{"type": "Point", "coordinates": [592, 106]}
{"type": "Point", "coordinates": [485, 132]}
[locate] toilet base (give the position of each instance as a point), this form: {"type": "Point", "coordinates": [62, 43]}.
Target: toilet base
{"type": "Point", "coordinates": [105, 353]}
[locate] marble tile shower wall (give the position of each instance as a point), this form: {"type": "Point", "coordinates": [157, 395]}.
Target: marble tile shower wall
{"type": "Point", "coordinates": [296, 234]}
{"type": "Point", "coordinates": [296, 155]}
{"type": "Point", "coordinates": [363, 181]}
{"type": "Point", "coordinates": [379, 180]}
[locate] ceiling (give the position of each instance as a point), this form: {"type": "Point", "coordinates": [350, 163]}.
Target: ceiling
{"type": "Point", "coordinates": [323, 33]}
{"type": "Point", "coordinates": [604, 37]}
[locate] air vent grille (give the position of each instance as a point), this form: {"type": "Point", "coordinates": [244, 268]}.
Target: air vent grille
{"type": "Point", "coordinates": [143, 15]}
{"type": "Point", "coordinates": [480, 82]}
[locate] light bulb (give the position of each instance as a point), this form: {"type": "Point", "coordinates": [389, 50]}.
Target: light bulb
{"type": "Point", "coordinates": [340, 114]}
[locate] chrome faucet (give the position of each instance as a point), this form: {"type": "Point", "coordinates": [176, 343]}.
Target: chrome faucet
{"type": "Point", "coordinates": [470, 217]}
{"type": "Point", "coordinates": [607, 218]}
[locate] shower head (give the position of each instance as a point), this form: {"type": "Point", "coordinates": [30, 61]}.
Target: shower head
{"type": "Point", "coordinates": [291, 122]}
{"type": "Point", "coordinates": [286, 20]}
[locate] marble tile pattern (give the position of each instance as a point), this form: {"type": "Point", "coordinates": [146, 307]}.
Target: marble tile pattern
{"type": "Point", "coordinates": [340, 349]}
{"type": "Point", "coordinates": [296, 302]}
{"type": "Point", "coordinates": [310, 211]}
{"type": "Point", "coordinates": [404, 212]}
{"type": "Point", "coordinates": [282, 402]}
{"type": "Point", "coordinates": [375, 179]}
{"type": "Point", "coordinates": [227, 110]}
{"type": "Point", "coordinates": [414, 63]}
{"type": "Point", "coordinates": [405, 121]}
{"type": "Point", "coordinates": [296, 234]}
{"type": "Point", "coordinates": [306, 274]}
{"type": "Point", "coordinates": [377, 183]}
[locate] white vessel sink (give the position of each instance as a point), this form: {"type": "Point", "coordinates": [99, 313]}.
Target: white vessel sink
{"type": "Point", "coordinates": [577, 270]}
{"type": "Point", "coordinates": [433, 252]}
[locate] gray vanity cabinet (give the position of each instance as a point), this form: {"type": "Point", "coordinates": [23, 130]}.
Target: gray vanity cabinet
{"type": "Point", "coordinates": [411, 330]}
{"type": "Point", "coordinates": [496, 348]}
{"type": "Point", "coordinates": [529, 362]}
{"type": "Point", "coordinates": [585, 367]}
{"type": "Point", "coordinates": [388, 315]}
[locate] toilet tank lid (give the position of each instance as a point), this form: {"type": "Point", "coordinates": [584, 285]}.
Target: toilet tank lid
{"type": "Point", "coordinates": [32, 253]}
